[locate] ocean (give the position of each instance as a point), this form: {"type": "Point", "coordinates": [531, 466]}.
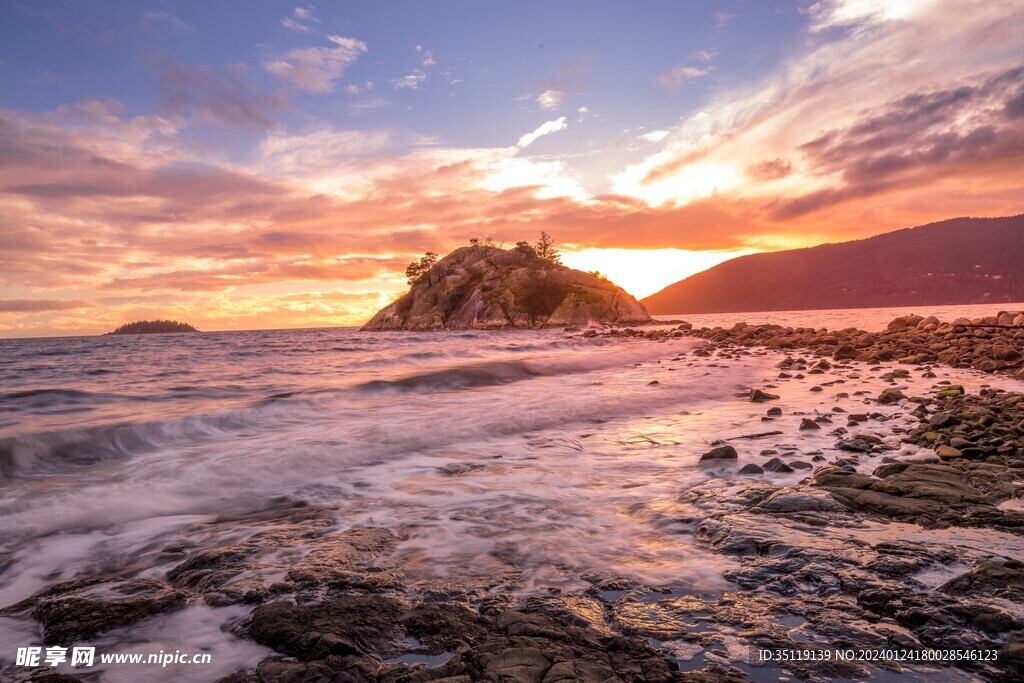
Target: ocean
{"type": "Point", "coordinates": [532, 461]}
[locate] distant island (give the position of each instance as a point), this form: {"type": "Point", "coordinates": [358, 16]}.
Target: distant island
{"type": "Point", "coordinates": [487, 287]}
{"type": "Point", "coordinates": [958, 261]}
{"type": "Point", "coordinates": [154, 327]}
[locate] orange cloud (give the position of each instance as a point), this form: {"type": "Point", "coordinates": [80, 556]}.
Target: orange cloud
{"type": "Point", "coordinates": [105, 217]}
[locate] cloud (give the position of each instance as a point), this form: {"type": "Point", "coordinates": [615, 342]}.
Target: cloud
{"type": "Point", "coordinates": [915, 138]}
{"type": "Point", "coordinates": [828, 14]}
{"type": "Point", "coordinates": [166, 17]}
{"type": "Point", "coordinates": [123, 212]}
{"type": "Point", "coordinates": [316, 69]}
{"type": "Point", "coordinates": [677, 75]}
{"type": "Point", "coordinates": [301, 20]}
{"type": "Point", "coordinates": [40, 305]}
{"type": "Point", "coordinates": [654, 136]}
{"type": "Point", "coordinates": [409, 82]}
{"type": "Point", "coordinates": [822, 133]}
{"type": "Point", "coordinates": [427, 56]}
{"type": "Point", "coordinates": [773, 169]}
{"type": "Point", "coordinates": [723, 18]}
{"type": "Point", "coordinates": [226, 96]}
{"type": "Point", "coordinates": [550, 100]}
{"type": "Point", "coordinates": [316, 152]}
{"type": "Point", "coordinates": [544, 129]}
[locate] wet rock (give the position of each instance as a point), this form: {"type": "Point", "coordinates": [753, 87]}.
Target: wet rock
{"type": "Point", "coordinates": [943, 420]}
{"type": "Point", "coordinates": [996, 579]}
{"type": "Point", "coordinates": [799, 501]}
{"type": "Point", "coordinates": [807, 423]}
{"type": "Point", "coordinates": [904, 322]}
{"type": "Point", "coordinates": [774, 411]}
{"type": "Point", "coordinates": [886, 505]}
{"type": "Point", "coordinates": [751, 468]}
{"type": "Point", "coordinates": [346, 625]}
{"type": "Point", "coordinates": [776, 465]}
{"type": "Point", "coordinates": [890, 396]}
{"type": "Point", "coordinates": [938, 482]}
{"type": "Point", "coordinates": [70, 619]}
{"type": "Point", "coordinates": [759, 396]}
{"type": "Point", "coordinates": [725, 452]}
{"type": "Point", "coordinates": [354, 559]}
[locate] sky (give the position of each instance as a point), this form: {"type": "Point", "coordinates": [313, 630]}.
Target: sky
{"type": "Point", "coordinates": [245, 165]}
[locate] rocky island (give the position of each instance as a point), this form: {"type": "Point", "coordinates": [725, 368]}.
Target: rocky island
{"type": "Point", "coordinates": [154, 327]}
{"type": "Point", "coordinates": [485, 287]}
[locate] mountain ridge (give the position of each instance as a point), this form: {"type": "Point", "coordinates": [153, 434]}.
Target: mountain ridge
{"type": "Point", "coordinates": [956, 261]}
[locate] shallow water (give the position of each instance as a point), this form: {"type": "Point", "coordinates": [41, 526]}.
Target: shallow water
{"type": "Point", "coordinates": [869, 319]}
{"type": "Point", "coordinates": [527, 460]}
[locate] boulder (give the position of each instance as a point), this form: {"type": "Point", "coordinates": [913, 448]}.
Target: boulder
{"type": "Point", "coordinates": [905, 322]}
{"type": "Point", "coordinates": [725, 452]}
{"type": "Point", "coordinates": [890, 396]}
{"type": "Point", "coordinates": [776, 465]}
{"type": "Point", "coordinates": [759, 396]}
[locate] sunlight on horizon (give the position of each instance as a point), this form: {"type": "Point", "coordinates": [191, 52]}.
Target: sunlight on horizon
{"type": "Point", "coordinates": [642, 272]}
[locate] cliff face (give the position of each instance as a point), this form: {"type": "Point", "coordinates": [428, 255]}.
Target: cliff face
{"type": "Point", "coordinates": [492, 288]}
{"type": "Point", "coordinates": [959, 261]}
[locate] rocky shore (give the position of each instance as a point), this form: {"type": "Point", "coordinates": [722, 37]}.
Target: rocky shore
{"type": "Point", "coordinates": [877, 508]}
{"type": "Point", "coordinates": [989, 344]}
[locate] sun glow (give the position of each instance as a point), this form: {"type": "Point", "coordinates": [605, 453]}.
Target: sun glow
{"type": "Point", "coordinates": [642, 272]}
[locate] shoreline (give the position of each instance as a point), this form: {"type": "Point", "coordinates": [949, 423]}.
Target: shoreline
{"type": "Point", "coordinates": [870, 505]}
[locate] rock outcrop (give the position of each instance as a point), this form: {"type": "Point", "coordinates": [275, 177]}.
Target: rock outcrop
{"type": "Point", "coordinates": [490, 288]}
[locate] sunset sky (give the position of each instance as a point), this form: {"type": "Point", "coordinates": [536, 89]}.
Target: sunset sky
{"type": "Point", "coordinates": [245, 165]}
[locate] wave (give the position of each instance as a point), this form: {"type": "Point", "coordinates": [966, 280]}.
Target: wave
{"type": "Point", "coordinates": [465, 377]}
{"type": "Point", "coordinates": [47, 398]}
{"type": "Point", "coordinates": [502, 372]}
{"type": "Point", "coordinates": [56, 451]}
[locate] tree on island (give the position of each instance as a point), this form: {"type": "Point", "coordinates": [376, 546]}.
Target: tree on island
{"type": "Point", "coordinates": [545, 248]}
{"type": "Point", "coordinates": [418, 269]}
{"type": "Point", "coordinates": [154, 327]}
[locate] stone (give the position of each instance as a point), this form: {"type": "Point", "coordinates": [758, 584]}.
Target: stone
{"type": "Point", "coordinates": [751, 468]}
{"type": "Point", "coordinates": [999, 579]}
{"type": "Point", "coordinates": [759, 396]}
{"type": "Point", "coordinates": [346, 625]}
{"type": "Point", "coordinates": [776, 465]}
{"type": "Point", "coordinates": [725, 452]}
{"type": "Point", "coordinates": [904, 322]}
{"type": "Point", "coordinates": [948, 452]}
{"type": "Point", "coordinates": [807, 423]}
{"type": "Point", "coordinates": [76, 618]}
{"type": "Point", "coordinates": [788, 500]}
{"type": "Point", "coordinates": [890, 396]}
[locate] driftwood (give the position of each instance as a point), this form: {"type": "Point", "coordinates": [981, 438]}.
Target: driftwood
{"type": "Point", "coordinates": [759, 435]}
